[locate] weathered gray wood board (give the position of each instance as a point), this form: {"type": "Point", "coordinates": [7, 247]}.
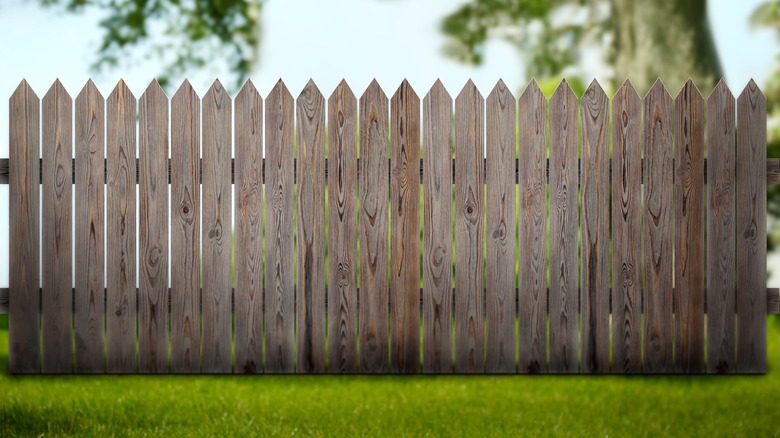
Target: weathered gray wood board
{"type": "Point", "coordinates": [310, 300]}
{"type": "Point", "coordinates": [626, 241]}
{"type": "Point", "coordinates": [121, 299]}
{"type": "Point", "coordinates": [373, 190]}
{"type": "Point", "coordinates": [533, 238]}
{"type": "Point", "coordinates": [89, 231]}
{"type": "Point", "coordinates": [501, 231]}
{"type": "Point", "coordinates": [404, 231]}
{"type": "Point", "coordinates": [185, 231]}
{"type": "Point", "coordinates": [57, 232]}
{"type": "Point", "coordinates": [249, 230]}
{"type": "Point", "coordinates": [437, 231]}
{"type": "Point", "coordinates": [216, 232]}
{"type": "Point", "coordinates": [342, 231]}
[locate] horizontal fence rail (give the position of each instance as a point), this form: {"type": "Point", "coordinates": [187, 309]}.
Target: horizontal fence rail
{"type": "Point", "coordinates": [347, 234]}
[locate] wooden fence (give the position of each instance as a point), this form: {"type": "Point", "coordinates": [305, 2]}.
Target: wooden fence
{"type": "Point", "coordinates": [526, 235]}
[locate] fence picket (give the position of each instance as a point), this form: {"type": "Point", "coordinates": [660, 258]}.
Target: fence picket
{"type": "Point", "coordinates": [279, 294]}
{"type": "Point", "coordinates": [689, 232]}
{"type": "Point", "coordinates": [185, 230]}
{"type": "Point", "coordinates": [626, 220]}
{"type": "Point", "coordinates": [120, 231]}
{"type": "Point", "coordinates": [469, 198]}
{"type": "Point", "coordinates": [751, 230]}
{"type": "Point", "coordinates": [249, 230]}
{"type": "Point", "coordinates": [153, 229]}
{"type": "Point", "coordinates": [563, 230]}
{"type": "Point", "coordinates": [24, 278]}
{"type": "Point", "coordinates": [437, 230]}
{"type": "Point", "coordinates": [721, 231]}
{"type": "Point", "coordinates": [57, 246]}
{"type": "Point", "coordinates": [532, 221]}
{"type": "Point", "coordinates": [90, 293]}
{"type": "Point", "coordinates": [216, 231]}
{"type": "Point", "coordinates": [405, 231]}
{"type": "Point", "coordinates": [373, 224]}
{"type": "Point", "coordinates": [500, 299]}
{"type": "Point", "coordinates": [342, 231]}
{"type": "Point", "coordinates": [311, 230]}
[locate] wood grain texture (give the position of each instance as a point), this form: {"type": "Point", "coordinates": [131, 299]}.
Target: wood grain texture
{"type": "Point", "coordinates": [24, 276]}
{"type": "Point", "coordinates": [469, 198]}
{"type": "Point", "coordinates": [57, 230]}
{"type": "Point", "coordinates": [751, 230]}
{"type": "Point", "coordinates": [342, 231]}
{"type": "Point", "coordinates": [216, 231]}
{"type": "Point", "coordinates": [279, 292]}
{"type": "Point", "coordinates": [374, 195]}
{"type": "Point", "coordinates": [121, 298]}
{"type": "Point", "coordinates": [405, 231]}
{"type": "Point", "coordinates": [626, 220]}
{"type": "Point", "coordinates": [500, 298]}
{"type": "Point", "coordinates": [531, 225]}
{"type": "Point", "coordinates": [89, 232]}
{"type": "Point", "coordinates": [689, 231]}
{"type": "Point", "coordinates": [249, 230]}
{"type": "Point", "coordinates": [153, 230]}
{"type": "Point", "coordinates": [721, 237]}
{"type": "Point", "coordinates": [564, 296]}
{"type": "Point", "coordinates": [658, 230]}
{"type": "Point", "coordinates": [437, 230]}
{"type": "Point", "coordinates": [310, 300]}
{"type": "Point", "coordinates": [185, 231]}
{"type": "Point", "coordinates": [594, 222]}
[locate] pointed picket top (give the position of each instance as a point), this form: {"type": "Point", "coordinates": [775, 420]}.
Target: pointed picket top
{"type": "Point", "coordinates": [57, 93]}
{"type": "Point", "coordinates": [532, 92]}
{"type": "Point", "coordinates": [310, 92]}
{"type": "Point", "coordinates": [658, 90]}
{"type": "Point", "coordinates": [469, 91]}
{"type": "Point", "coordinates": [405, 89]}
{"type": "Point", "coordinates": [374, 91]}
{"type": "Point", "coordinates": [752, 94]}
{"type": "Point", "coordinates": [247, 88]}
{"type": "Point", "coordinates": [501, 94]}
{"type": "Point", "coordinates": [90, 89]}
{"type": "Point", "coordinates": [185, 90]}
{"type": "Point", "coordinates": [121, 92]}
{"type": "Point", "coordinates": [594, 91]}
{"type": "Point", "coordinates": [216, 90]}
{"type": "Point", "coordinates": [563, 92]}
{"type": "Point", "coordinates": [342, 93]}
{"type": "Point", "coordinates": [628, 90]}
{"type": "Point", "coordinates": [280, 91]}
{"type": "Point", "coordinates": [24, 88]}
{"type": "Point", "coordinates": [721, 89]}
{"type": "Point", "coordinates": [438, 93]}
{"type": "Point", "coordinates": [689, 93]}
{"type": "Point", "coordinates": [154, 91]}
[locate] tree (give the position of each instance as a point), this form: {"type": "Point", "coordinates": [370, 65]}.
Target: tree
{"type": "Point", "coordinates": [180, 35]}
{"type": "Point", "coordinates": [637, 39]}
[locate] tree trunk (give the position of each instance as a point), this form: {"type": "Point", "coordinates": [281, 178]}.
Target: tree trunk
{"type": "Point", "coordinates": [667, 39]}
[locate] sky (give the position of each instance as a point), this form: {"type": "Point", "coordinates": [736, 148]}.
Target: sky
{"type": "Point", "coordinates": [359, 40]}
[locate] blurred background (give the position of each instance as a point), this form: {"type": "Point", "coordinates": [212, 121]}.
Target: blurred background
{"type": "Point", "coordinates": [390, 40]}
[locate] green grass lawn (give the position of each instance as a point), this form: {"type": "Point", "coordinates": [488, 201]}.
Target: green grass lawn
{"type": "Point", "coordinates": [389, 405]}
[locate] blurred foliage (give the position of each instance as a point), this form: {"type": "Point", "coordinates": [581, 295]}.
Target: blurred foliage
{"type": "Point", "coordinates": [178, 34]}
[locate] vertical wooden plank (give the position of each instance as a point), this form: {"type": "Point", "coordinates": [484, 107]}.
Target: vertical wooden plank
{"type": "Point", "coordinates": [751, 230]}
{"type": "Point", "coordinates": [437, 230]}
{"type": "Point", "coordinates": [280, 296]}
{"type": "Point", "coordinates": [594, 221]}
{"type": "Point", "coordinates": [563, 230]}
{"type": "Point", "coordinates": [57, 247]}
{"type": "Point", "coordinates": [626, 220]}
{"type": "Point", "coordinates": [373, 223]}
{"type": "Point", "coordinates": [24, 277]}
{"type": "Point", "coordinates": [90, 181]}
{"type": "Point", "coordinates": [249, 230]}
{"type": "Point", "coordinates": [185, 232]}
{"type": "Point", "coordinates": [689, 231]}
{"type": "Point", "coordinates": [405, 230]}
{"type": "Point", "coordinates": [532, 221]}
{"type": "Point", "coordinates": [153, 230]}
{"type": "Point", "coordinates": [721, 243]}
{"type": "Point", "coordinates": [501, 298]}
{"type": "Point", "coordinates": [310, 302]}
{"type": "Point", "coordinates": [217, 230]}
{"type": "Point", "coordinates": [469, 264]}
{"type": "Point", "coordinates": [120, 231]}
{"type": "Point", "coordinates": [658, 230]}
{"type": "Point", "coordinates": [342, 231]}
